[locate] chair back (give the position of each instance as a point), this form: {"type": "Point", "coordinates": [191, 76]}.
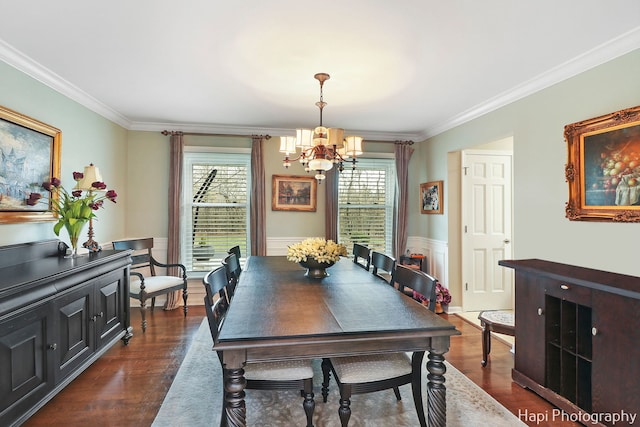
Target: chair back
{"type": "Point", "coordinates": [418, 281]}
{"type": "Point", "coordinates": [216, 311]}
{"type": "Point", "coordinates": [138, 260]}
{"type": "Point", "coordinates": [215, 282]}
{"type": "Point", "coordinates": [361, 255]}
{"type": "Point", "coordinates": [233, 270]}
{"type": "Point", "coordinates": [384, 266]}
{"type": "Point", "coordinates": [235, 250]}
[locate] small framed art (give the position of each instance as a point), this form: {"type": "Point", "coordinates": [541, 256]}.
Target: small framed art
{"type": "Point", "coordinates": [431, 197]}
{"type": "Point", "coordinates": [293, 193]}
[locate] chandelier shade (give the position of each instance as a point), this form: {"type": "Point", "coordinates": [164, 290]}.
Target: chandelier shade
{"type": "Point", "coordinates": [321, 147]}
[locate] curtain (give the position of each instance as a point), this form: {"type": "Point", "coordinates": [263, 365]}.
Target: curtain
{"type": "Point", "coordinates": [403, 152]}
{"type": "Point", "coordinates": [331, 205]}
{"type": "Point", "coordinates": [176, 149]}
{"type": "Point", "coordinates": [258, 209]}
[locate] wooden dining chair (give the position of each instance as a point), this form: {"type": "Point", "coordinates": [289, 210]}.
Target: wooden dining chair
{"type": "Point", "coordinates": [145, 283]}
{"type": "Point", "coordinates": [235, 250]}
{"type": "Point", "coordinates": [233, 269]}
{"type": "Point", "coordinates": [215, 283]}
{"type": "Point", "coordinates": [411, 281]}
{"type": "Point", "coordinates": [361, 256]}
{"type": "Point", "coordinates": [384, 266]}
{"type": "Point", "coordinates": [376, 372]}
{"type": "Point", "coordinates": [277, 375]}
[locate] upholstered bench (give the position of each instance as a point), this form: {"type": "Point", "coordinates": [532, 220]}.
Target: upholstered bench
{"type": "Point", "coordinates": [501, 322]}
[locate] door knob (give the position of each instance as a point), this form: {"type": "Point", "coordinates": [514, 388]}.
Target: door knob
{"type": "Point", "coordinates": [506, 241]}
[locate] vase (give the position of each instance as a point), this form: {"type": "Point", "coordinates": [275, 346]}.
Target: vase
{"type": "Point", "coordinates": [74, 228]}
{"type": "Point", "coordinates": [315, 269]}
{"type": "Point", "coordinates": [439, 309]}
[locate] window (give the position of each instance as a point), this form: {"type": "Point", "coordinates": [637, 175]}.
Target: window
{"type": "Point", "coordinates": [365, 204]}
{"type": "Point", "coordinates": [215, 207]}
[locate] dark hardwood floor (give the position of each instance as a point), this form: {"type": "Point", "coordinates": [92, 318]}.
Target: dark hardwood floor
{"type": "Point", "coordinates": [127, 385]}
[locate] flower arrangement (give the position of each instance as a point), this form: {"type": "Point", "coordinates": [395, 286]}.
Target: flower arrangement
{"type": "Point", "coordinates": [323, 251]}
{"type": "Point", "coordinates": [76, 208]}
{"type": "Point", "coordinates": [442, 295]}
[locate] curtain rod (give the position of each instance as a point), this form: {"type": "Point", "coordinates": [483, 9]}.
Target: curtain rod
{"type": "Point", "coordinates": [171, 132]}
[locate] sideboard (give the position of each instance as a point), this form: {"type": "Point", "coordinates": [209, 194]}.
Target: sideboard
{"type": "Point", "coordinates": [57, 316]}
{"type": "Point", "coordinates": [578, 338]}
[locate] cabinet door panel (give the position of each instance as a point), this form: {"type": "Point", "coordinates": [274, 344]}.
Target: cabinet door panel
{"type": "Point", "coordinates": [109, 306]}
{"type": "Point", "coordinates": [530, 326]}
{"type": "Point", "coordinates": [24, 371]}
{"type": "Point", "coordinates": [616, 353]}
{"type": "Point", "coordinates": [76, 340]}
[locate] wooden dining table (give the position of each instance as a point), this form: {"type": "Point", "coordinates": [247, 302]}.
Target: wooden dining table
{"type": "Point", "coordinates": [277, 313]}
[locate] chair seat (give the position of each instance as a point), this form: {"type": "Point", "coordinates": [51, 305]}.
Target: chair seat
{"type": "Point", "coordinates": [285, 370]}
{"type": "Point", "coordinates": [370, 368]}
{"type": "Point", "coordinates": [154, 284]}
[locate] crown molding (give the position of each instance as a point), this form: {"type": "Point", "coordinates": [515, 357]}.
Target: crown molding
{"type": "Point", "coordinates": [612, 49]}
{"type": "Point", "coordinates": [23, 63]}
{"type": "Point", "coordinates": [599, 55]}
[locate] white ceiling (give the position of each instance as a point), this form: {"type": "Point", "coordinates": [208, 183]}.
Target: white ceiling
{"type": "Point", "coordinates": [404, 69]}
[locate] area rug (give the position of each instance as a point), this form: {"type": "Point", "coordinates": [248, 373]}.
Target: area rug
{"type": "Point", "coordinates": [195, 400]}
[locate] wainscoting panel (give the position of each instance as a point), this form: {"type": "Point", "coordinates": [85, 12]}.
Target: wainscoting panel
{"type": "Point", "coordinates": [437, 253]}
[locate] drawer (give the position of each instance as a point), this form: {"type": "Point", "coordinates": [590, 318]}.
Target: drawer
{"type": "Point", "coordinates": [569, 291]}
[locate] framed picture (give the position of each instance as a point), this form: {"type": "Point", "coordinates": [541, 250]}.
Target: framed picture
{"type": "Point", "coordinates": [29, 156]}
{"type": "Point", "coordinates": [603, 167]}
{"type": "Point", "coordinates": [431, 198]}
{"type": "Point", "coordinates": [294, 193]}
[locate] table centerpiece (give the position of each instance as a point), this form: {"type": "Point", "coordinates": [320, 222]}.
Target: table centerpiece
{"type": "Point", "coordinates": [316, 255]}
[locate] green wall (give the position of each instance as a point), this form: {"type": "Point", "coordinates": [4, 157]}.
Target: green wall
{"type": "Point", "coordinates": [136, 164]}
{"type": "Point", "coordinates": [86, 137]}
{"type": "Point", "coordinates": [536, 124]}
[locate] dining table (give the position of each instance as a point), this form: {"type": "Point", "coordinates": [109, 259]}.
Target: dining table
{"type": "Point", "coordinates": [277, 313]}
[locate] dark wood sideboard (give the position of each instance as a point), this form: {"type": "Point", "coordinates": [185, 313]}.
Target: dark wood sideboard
{"type": "Point", "coordinates": [57, 316]}
{"type": "Point", "coordinates": [578, 337]}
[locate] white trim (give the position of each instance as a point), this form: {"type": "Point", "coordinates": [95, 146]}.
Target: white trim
{"type": "Point", "coordinates": [607, 51]}
{"type": "Point", "coordinates": [277, 246]}
{"type": "Point", "coordinates": [437, 253]}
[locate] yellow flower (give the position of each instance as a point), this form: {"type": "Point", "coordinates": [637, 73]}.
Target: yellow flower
{"type": "Point", "coordinates": [321, 250]}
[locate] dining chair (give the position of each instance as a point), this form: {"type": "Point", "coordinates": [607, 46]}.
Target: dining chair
{"type": "Point", "coordinates": [411, 281]}
{"type": "Point", "coordinates": [215, 282]}
{"type": "Point", "coordinates": [376, 372]}
{"type": "Point", "coordinates": [276, 375]}
{"type": "Point", "coordinates": [235, 250]}
{"type": "Point", "coordinates": [143, 286]}
{"type": "Point", "coordinates": [361, 256]}
{"type": "Point", "coordinates": [233, 269]}
{"type": "Point", "coordinates": [384, 266]}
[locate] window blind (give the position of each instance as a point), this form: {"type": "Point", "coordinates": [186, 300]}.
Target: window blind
{"type": "Point", "coordinates": [365, 204]}
{"type": "Point", "coordinates": [216, 199]}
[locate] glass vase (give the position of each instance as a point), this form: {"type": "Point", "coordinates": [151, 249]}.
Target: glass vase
{"type": "Point", "coordinates": [74, 228]}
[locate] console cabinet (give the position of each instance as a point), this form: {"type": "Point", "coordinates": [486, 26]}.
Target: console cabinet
{"type": "Point", "coordinates": [577, 337]}
{"type": "Point", "coordinates": [57, 316]}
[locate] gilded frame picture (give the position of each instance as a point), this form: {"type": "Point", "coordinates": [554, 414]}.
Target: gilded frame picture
{"type": "Point", "coordinates": [603, 167]}
{"type": "Point", "coordinates": [29, 156]}
{"type": "Point", "coordinates": [431, 197]}
{"type": "Point", "coordinates": [293, 193]}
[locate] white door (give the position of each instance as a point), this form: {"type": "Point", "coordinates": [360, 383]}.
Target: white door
{"type": "Point", "coordinates": [486, 230]}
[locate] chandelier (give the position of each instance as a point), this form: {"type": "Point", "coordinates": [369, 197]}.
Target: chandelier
{"type": "Point", "coordinates": [321, 147]}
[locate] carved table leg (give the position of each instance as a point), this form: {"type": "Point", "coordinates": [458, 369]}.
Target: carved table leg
{"type": "Point", "coordinates": [436, 390]}
{"type": "Point", "coordinates": [235, 409]}
{"type": "Point", "coordinates": [486, 343]}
